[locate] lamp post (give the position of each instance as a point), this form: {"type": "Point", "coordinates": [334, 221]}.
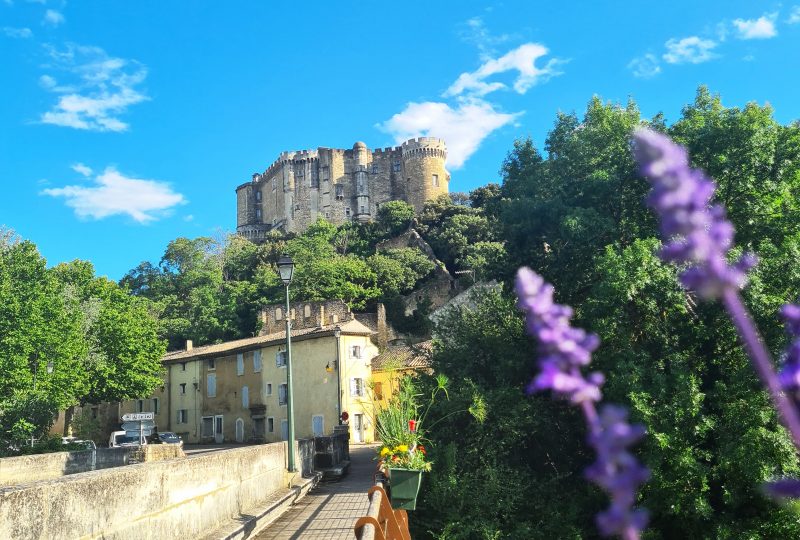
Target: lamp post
{"type": "Point", "coordinates": [35, 367]}
{"type": "Point", "coordinates": [286, 269]}
{"type": "Point", "coordinates": [337, 333]}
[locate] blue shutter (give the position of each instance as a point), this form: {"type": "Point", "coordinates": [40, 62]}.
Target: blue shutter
{"type": "Point", "coordinates": [211, 387]}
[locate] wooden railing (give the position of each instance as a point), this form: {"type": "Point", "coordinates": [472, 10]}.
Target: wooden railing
{"type": "Point", "coordinates": [382, 522]}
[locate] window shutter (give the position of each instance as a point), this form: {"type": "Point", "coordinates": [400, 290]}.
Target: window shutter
{"type": "Point", "coordinates": [353, 387]}
{"type": "Point", "coordinates": [212, 385]}
{"type": "Point", "coordinates": [240, 364]}
{"type": "Point", "coordinates": [245, 397]}
{"type": "Point", "coordinates": [257, 361]}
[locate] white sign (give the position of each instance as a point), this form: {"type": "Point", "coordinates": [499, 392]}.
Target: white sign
{"type": "Point", "coordinates": [136, 417]}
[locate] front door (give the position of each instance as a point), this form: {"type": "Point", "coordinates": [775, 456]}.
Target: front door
{"type": "Point", "coordinates": [218, 436]}
{"type": "Point", "coordinates": [239, 430]}
{"type": "Point", "coordinates": [318, 425]}
{"type": "Point", "coordinates": [358, 428]}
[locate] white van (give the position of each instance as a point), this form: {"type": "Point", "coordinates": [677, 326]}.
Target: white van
{"type": "Point", "coordinates": [126, 438]}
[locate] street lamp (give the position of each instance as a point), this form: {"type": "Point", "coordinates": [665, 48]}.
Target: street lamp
{"type": "Point", "coordinates": [35, 367]}
{"type": "Point", "coordinates": [337, 333]}
{"type": "Point", "coordinates": [286, 270]}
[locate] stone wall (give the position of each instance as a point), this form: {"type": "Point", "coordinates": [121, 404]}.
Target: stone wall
{"type": "Point", "coordinates": [26, 469]}
{"type": "Point", "coordinates": [178, 498]}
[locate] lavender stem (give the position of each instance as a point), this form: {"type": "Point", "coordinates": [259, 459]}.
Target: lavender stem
{"type": "Point", "coordinates": [761, 361]}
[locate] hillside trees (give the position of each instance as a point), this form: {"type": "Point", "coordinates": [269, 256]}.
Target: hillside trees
{"type": "Point", "coordinates": [576, 215]}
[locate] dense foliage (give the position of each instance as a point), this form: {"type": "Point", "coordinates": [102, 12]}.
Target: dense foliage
{"type": "Point", "coordinates": [66, 338]}
{"type": "Point", "coordinates": [577, 217]}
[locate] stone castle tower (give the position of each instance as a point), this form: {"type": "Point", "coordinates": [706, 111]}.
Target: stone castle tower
{"type": "Point", "coordinates": [339, 185]}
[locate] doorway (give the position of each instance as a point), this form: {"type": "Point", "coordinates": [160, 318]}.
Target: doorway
{"type": "Point", "coordinates": [218, 435]}
{"type": "Point", "coordinates": [239, 430]}
{"type": "Point", "coordinates": [358, 428]}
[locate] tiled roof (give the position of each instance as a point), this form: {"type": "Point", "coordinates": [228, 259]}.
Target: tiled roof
{"type": "Point", "coordinates": [352, 327]}
{"type": "Point", "coordinates": [408, 356]}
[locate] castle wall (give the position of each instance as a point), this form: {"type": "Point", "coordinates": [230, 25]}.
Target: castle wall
{"type": "Point", "coordinates": [340, 185]}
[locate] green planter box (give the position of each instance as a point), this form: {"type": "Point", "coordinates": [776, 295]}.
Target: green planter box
{"type": "Point", "coordinates": [404, 484]}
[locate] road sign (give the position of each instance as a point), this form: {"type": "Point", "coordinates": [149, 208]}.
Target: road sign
{"type": "Point", "coordinates": [138, 417]}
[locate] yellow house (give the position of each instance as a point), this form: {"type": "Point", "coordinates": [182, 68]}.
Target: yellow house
{"type": "Point", "coordinates": [236, 391]}
{"type": "Point", "coordinates": [389, 367]}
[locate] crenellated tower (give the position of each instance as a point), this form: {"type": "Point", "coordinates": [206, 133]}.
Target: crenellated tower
{"type": "Point", "coordinates": [339, 185]}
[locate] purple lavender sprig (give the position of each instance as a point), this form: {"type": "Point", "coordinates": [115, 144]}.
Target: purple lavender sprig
{"type": "Point", "coordinates": [697, 235]}
{"type": "Point", "coordinates": [563, 351]}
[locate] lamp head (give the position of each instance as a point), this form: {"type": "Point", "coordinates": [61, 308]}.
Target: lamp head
{"type": "Point", "coordinates": [286, 269]}
{"type": "Point", "coordinates": [337, 332]}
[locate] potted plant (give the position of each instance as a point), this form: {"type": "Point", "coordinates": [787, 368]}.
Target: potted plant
{"type": "Point", "coordinates": [402, 456]}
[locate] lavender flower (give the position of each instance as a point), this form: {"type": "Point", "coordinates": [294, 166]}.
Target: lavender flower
{"type": "Point", "coordinates": [695, 232]}
{"type": "Point", "coordinates": [698, 235]}
{"type": "Point", "coordinates": [563, 351]}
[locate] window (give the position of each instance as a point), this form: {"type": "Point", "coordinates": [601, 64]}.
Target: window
{"type": "Point", "coordinates": [318, 425]}
{"type": "Point", "coordinates": [378, 391]}
{"type": "Point", "coordinates": [94, 413]}
{"type": "Point", "coordinates": [339, 190]}
{"type": "Point", "coordinates": [435, 180]}
{"type": "Point", "coordinates": [325, 172]}
{"type": "Point", "coordinates": [182, 388]}
{"type": "Point", "coordinates": [284, 430]}
{"type": "Point", "coordinates": [155, 405]}
{"type": "Point", "coordinates": [140, 406]}
{"type": "Point", "coordinates": [245, 397]}
{"type": "Point", "coordinates": [355, 351]}
{"type": "Point", "coordinates": [207, 429]}
{"type": "Point", "coordinates": [212, 364]}
{"type": "Point", "coordinates": [240, 364]}
{"type": "Point", "coordinates": [274, 184]}
{"type": "Point", "coordinates": [280, 359]}
{"type": "Point", "coordinates": [211, 387]}
{"type": "Point", "coordinates": [283, 392]}
{"type": "Point", "coordinates": [357, 387]}
{"type": "Point", "coordinates": [314, 178]}
{"type": "Point", "coordinates": [307, 311]}
{"type": "Point", "coordinates": [256, 361]}
{"type": "Point", "coordinates": [269, 389]}
{"type": "Point", "coordinates": [258, 194]}
{"type": "Point", "coordinates": [271, 424]}
{"type": "Point", "coordinates": [183, 366]}
{"type": "Point", "coordinates": [258, 214]}
{"type": "Point", "coordinates": [396, 166]}
{"type": "Point", "coordinates": [374, 168]}
{"type": "Point", "coordinates": [347, 211]}
{"type": "Point", "coordinates": [183, 416]}
{"type": "Point", "coordinates": [278, 314]}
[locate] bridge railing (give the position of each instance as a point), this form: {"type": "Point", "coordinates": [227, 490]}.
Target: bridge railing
{"type": "Point", "coordinates": [382, 522]}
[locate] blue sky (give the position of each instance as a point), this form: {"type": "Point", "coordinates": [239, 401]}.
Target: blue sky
{"type": "Point", "coordinates": [128, 124]}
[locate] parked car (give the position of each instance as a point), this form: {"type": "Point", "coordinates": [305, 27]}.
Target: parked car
{"type": "Point", "coordinates": [82, 444]}
{"type": "Point", "coordinates": [125, 438]}
{"type": "Point", "coordinates": [168, 437]}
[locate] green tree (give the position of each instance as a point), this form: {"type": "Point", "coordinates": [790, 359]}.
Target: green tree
{"type": "Point", "coordinates": [394, 217]}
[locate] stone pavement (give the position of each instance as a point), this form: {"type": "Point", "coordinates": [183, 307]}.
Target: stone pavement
{"type": "Point", "coordinates": [331, 509]}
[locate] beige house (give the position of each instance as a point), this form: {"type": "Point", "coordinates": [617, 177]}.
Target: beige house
{"type": "Point", "coordinates": [236, 391]}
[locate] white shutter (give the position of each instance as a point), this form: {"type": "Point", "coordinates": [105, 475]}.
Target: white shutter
{"type": "Point", "coordinates": [353, 387]}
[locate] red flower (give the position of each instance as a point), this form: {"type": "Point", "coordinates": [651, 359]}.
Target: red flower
{"type": "Point", "coordinates": [412, 426]}
{"type": "Point", "coordinates": [422, 449]}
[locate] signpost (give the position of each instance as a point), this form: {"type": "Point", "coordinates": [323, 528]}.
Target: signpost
{"type": "Point", "coordinates": [141, 417]}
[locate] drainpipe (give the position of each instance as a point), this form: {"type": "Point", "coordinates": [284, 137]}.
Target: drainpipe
{"type": "Point", "coordinates": [337, 332]}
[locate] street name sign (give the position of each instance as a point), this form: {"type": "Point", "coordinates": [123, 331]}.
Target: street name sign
{"type": "Point", "coordinates": [138, 417]}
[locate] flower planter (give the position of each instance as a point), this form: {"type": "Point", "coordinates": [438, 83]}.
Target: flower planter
{"type": "Point", "coordinates": [404, 484]}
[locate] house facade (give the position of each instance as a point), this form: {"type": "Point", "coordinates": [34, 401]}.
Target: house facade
{"type": "Point", "coordinates": [237, 391]}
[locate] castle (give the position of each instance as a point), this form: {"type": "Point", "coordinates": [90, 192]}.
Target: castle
{"type": "Point", "coordinates": [339, 185]}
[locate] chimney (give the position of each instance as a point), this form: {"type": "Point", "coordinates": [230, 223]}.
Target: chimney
{"type": "Point", "coordinates": [189, 345]}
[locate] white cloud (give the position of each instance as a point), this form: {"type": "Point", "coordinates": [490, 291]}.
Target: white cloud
{"type": "Point", "coordinates": [115, 194]}
{"type": "Point", "coordinates": [104, 88]}
{"type": "Point", "coordinates": [761, 28]}
{"type": "Point", "coordinates": [522, 59]}
{"type": "Point", "coordinates": [80, 168]}
{"type": "Point", "coordinates": [463, 128]}
{"type": "Point", "coordinates": [693, 50]}
{"type": "Point", "coordinates": [52, 18]}
{"type": "Point", "coordinates": [474, 31]}
{"type": "Point", "coordinates": [19, 33]}
{"type": "Point", "coordinates": [794, 15]}
{"type": "Point", "coordinates": [645, 66]}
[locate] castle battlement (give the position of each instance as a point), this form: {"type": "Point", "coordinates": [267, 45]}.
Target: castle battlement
{"type": "Point", "coordinates": [340, 184]}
